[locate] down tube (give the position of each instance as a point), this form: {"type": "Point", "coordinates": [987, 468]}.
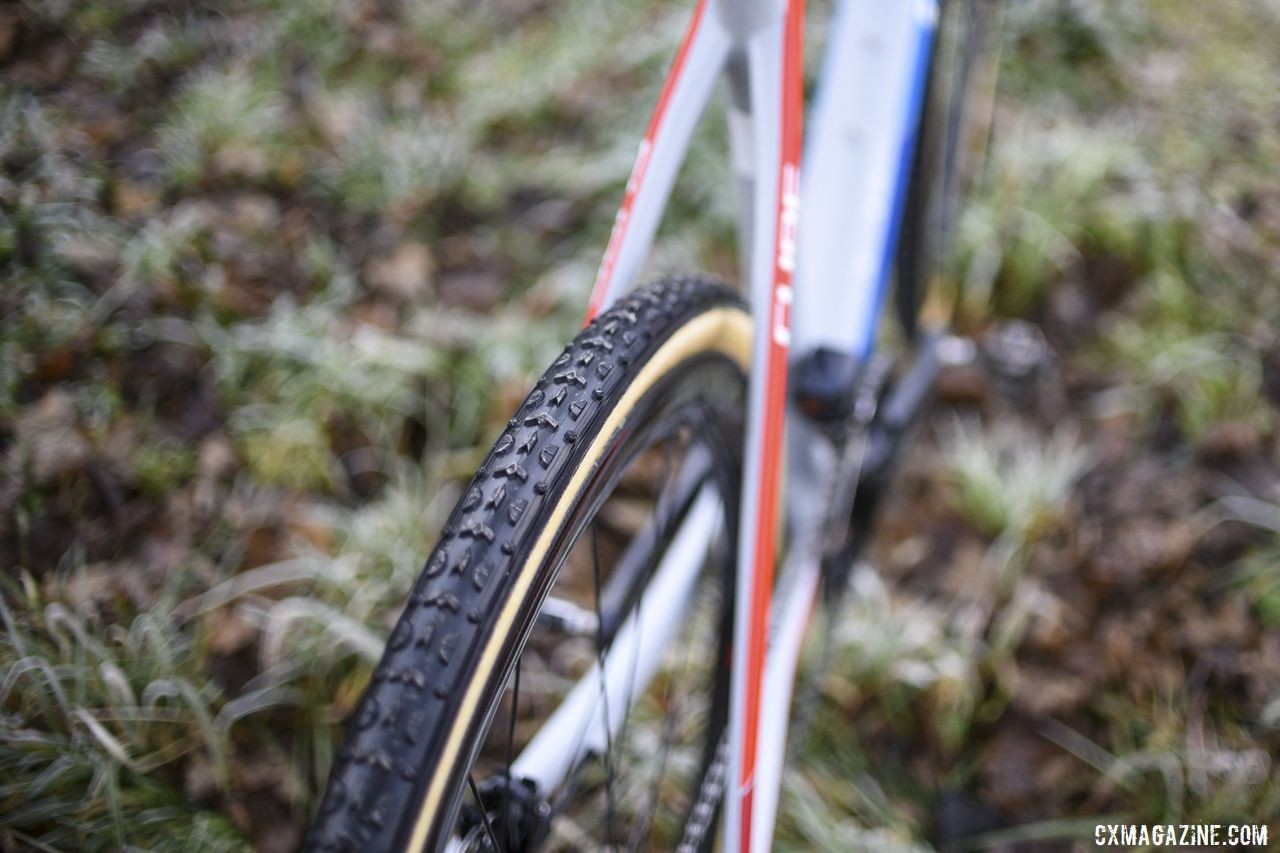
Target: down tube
{"type": "Point", "coordinates": [857, 164]}
{"type": "Point", "coordinates": [775, 68]}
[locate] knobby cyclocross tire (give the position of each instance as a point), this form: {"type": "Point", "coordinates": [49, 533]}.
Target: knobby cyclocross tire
{"type": "Point", "coordinates": [399, 779]}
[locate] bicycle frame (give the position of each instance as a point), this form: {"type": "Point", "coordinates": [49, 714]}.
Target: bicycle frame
{"type": "Point", "coordinates": [820, 285]}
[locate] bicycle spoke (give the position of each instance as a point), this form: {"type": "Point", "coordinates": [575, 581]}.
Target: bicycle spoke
{"type": "Point", "coordinates": [511, 744]}
{"type": "Point", "coordinates": [662, 534]}
{"type": "Point", "coordinates": [604, 692]}
{"type": "Point", "coordinates": [484, 815]}
{"type": "Point", "coordinates": [668, 740]}
{"type": "Point", "coordinates": [645, 549]}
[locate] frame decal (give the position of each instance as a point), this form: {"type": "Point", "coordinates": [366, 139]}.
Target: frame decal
{"type": "Point", "coordinates": [605, 275]}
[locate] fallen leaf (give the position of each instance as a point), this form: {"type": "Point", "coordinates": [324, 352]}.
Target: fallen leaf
{"type": "Point", "coordinates": [50, 434]}
{"type": "Point", "coordinates": [404, 275]}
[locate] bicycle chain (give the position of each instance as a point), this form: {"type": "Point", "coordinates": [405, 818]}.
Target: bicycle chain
{"type": "Point", "coordinates": [710, 792]}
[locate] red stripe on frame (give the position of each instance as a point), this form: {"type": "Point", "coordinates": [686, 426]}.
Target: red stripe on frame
{"type": "Point", "coordinates": [745, 828]}
{"type": "Point", "coordinates": [623, 219]}
{"type": "Point", "coordinates": [775, 379]}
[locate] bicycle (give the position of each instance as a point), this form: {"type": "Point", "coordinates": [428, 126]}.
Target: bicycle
{"type": "Point", "coordinates": [621, 538]}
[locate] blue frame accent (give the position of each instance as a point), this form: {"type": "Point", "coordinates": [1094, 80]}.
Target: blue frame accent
{"type": "Point", "coordinates": [926, 32]}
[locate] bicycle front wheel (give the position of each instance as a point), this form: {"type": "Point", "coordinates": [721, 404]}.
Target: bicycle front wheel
{"type": "Point", "coordinates": [560, 674]}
